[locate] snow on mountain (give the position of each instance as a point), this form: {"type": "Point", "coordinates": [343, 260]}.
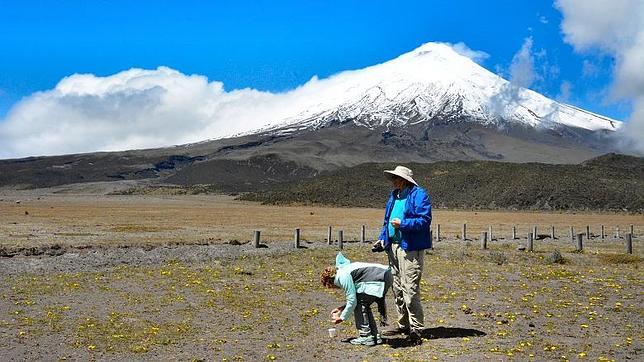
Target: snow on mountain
{"type": "Point", "coordinates": [430, 82]}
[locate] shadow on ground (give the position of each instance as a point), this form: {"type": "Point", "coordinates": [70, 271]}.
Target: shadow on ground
{"type": "Point", "coordinates": [435, 333]}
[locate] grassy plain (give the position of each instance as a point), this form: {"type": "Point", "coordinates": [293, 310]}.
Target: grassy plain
{"type": "Point", "coordinates": [267, 304]}
{"type": "Point", "coordinates": [139, 220]}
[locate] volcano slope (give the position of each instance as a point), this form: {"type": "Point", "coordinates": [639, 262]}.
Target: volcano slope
{"type": "Point", "coordinates": [610, 182]}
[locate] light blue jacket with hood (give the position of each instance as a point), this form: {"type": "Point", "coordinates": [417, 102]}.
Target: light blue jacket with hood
{"type": "Point", "coordinates": [354, 278]}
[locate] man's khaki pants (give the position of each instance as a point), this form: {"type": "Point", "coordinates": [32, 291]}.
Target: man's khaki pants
{"type": "Point", "coordinates": [407, 269]}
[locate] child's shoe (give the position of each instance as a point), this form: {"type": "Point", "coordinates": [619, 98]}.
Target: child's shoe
{"type": "Point", "coordinates": [364, 341]}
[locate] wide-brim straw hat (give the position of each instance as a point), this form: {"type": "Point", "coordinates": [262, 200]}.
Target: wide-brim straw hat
{"type": "Point", "coordinates": [402, 172]}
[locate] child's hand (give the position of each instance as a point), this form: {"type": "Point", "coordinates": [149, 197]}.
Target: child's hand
{"type": "Point", "coordinates": [336, 312]}
{"type": "Point", "coordinates": [335, 315]}
{"type": "Point", "coordinates": [395, 223]}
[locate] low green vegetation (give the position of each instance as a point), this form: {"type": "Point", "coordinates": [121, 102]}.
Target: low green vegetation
{"type": "Point", "coordinates": [555, 258]}
{"type": "Point", "coordinates": [610, 182]}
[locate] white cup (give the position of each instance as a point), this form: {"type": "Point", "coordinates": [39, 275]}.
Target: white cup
{"type": "Point", "coordinates": [333, 332]}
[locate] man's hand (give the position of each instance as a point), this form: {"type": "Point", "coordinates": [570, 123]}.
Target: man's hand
{"type": "Point", "coordinates": [337, 320]}
{"type": "Point", "coordinates": [395, 223]}
{"type": "Point", "coordinates": [378, 246]}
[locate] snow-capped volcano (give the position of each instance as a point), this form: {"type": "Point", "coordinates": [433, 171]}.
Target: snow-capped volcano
{"type": "Point", "coordinates": [430, 104]}
{"type": "Point", "coordinates": [138, 108]}
{"type": "Point", "coordinates": [432, 82]}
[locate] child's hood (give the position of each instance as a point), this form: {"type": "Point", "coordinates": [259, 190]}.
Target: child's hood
{"type": "Point", "coordinates": [341, 261]}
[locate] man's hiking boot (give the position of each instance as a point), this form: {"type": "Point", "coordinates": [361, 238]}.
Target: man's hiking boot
{"type": "Point", "coordinates": [364, 341]}
{"type": "Point", "coordinates": [415, 338]}
{"type": "Point", "coordinates": [395, 331]}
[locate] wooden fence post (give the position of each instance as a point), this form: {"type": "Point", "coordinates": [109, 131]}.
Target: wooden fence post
{"type": "Point", "coordinates": [534, 232]}
{"type": "Point", "coordinates": [431, 237]}
{"type": "Point", "coordinates": [530, 242]}
{"type": "Point", "coordinates": [329, 237]}
{"type": "Point", "coordinates": [552, 232]}
{"type": "Point", "coordinates": [464, 233]}
{"type": "Point", "coordinates": [363, 234]}
{"type": "Point", "coordinates": [489, 233]}
{"type": "Point", "coordinates": [297, 238]}
{"type": "Point", "coordinates": [602, 232]}
{"type": "Point", "coordinates": [438, 232]}
{"type": "Point", "coordinates": [632, 231]}
{"type": "Point", "coordinates": [617, 232]}
{"type": "Point", "coordinates": [514, 232]}
{"type": "Point", "coordinates": [572, 234]}
{"type": "Point", "coordinates": [256, 238]}
{"type": "Point", "coordinates": [587, 232]}
{"type": "Point", "coordinates": [629, 243]}
{"type": "Point", "coordinates": [484, 240]}
{"type": "Point", "coordinates": [340, 239]}
{"type": "Point", "coordinates": [580, 243]}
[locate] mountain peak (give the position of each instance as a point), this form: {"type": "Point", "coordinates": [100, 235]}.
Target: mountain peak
{"type": "Point", "coordinates": [435, 51]}
{"type": "Point", "coordinates": [432, 82]}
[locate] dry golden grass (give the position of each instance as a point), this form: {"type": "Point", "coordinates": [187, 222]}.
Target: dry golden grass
{"type": "Point", "coordinates": [619, 259]}
{"type": "Point", "coordinates": [104, 220]}
{"type": "Point", "coordinates": [133, 228]}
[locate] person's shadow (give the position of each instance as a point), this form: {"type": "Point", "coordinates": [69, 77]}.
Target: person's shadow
{"type": "Point", "coordinates": [434, 333]}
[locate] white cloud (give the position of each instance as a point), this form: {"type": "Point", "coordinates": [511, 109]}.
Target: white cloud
{"type": "Point", "coordinates": [476, 55]}
{"type": "Point", "coordinates": [522, 71]}
{"type": "Point", "coordinates": [500, 71]}
{"type": "Point", "coordinates": [543, 19]}
{"type": "Point", "coordinates": [633, 139]}
{"type": "Point", "coordinates": [629, 72]}
{"type": "Point", "coordinates": [589, 69]}
{"type": "Point", "coordinates": [140, 108]}
{"type": "Point", "coordinates": [564, 91]}
{"type": "Point", "coordinates": [131, 109]}
{"type": "Point", "coordinates": [609, 25]}
{"type": "Point", "coordinates": [617, 28]}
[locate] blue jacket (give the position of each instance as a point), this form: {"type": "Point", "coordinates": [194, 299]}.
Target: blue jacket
{"type": "Point", "coordinates": [414, 226]}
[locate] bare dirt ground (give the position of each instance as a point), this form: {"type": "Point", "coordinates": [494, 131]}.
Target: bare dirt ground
{"type": "Point", "coordinates": [157, 278]}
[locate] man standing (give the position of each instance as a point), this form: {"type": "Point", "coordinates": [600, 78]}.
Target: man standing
{"type": "Point", "coordinates": [405, 236]}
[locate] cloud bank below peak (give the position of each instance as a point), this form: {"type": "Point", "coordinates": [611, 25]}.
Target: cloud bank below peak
{"type": "Point", "coordinates": [131, 109]}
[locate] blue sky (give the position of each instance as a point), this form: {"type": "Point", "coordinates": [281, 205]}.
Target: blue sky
{"type": "Point", "coordinates": [278, 45]}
